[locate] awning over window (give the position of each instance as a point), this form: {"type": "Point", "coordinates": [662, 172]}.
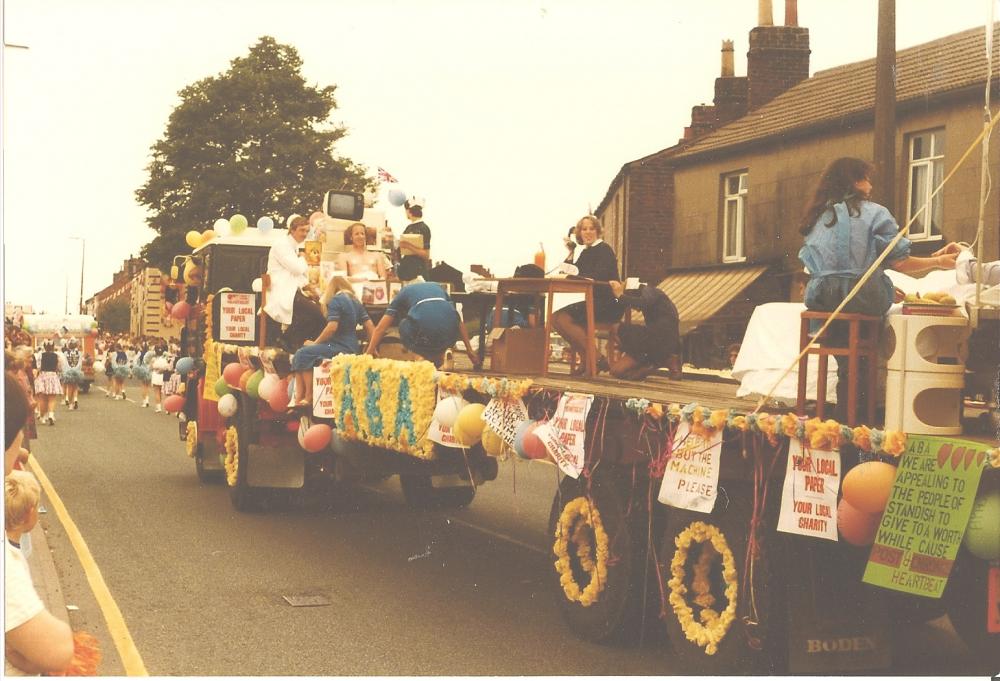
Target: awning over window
{"type": "Point", "coordinates": [699, 295]}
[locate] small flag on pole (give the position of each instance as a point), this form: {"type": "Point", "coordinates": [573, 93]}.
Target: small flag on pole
{"type": "Point", "coordinates": [385, 176]}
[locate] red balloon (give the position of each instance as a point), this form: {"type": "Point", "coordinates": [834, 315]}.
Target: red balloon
{"type": "Point", "coordinates": [232, 374]}
{"type": "Point", "coordinates": [279, 396]}
{"type": "Point", "coordinates": [857, 527]}
{"type": "Point", "coordinates": [533, 446]}
{"type": "Point", "coordinates": [292, 426]}
{"type": "Point", "coordinates": [180, 310]}
{"type": "Point", "coordinates": [317, 437]}
{"type": "Point", "coordinates": [173, 404]}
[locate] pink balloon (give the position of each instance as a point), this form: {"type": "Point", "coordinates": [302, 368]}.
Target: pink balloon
{"type": "Point", "coordinates": [317, 437]}
{"type": "Point", "coordinates": [292, 426]}
{"type": "Point", "coordinates": [279, 398]}
{"type": "Point", "coordinates": [533, 446]}
{"type": "Point", "coordinates": [857, 527]}
{"type": "Point", "coordinates": [173, 404]}
{"type": "Point", "coordinates": [180, 310]}
{"type": "Point", "coordinates": [232, 374]}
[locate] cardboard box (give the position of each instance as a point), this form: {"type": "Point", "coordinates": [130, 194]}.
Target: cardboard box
{"type": "Point", "coordinates": [518, 351]}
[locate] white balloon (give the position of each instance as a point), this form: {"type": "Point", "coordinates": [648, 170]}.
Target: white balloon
{"type": "Point", "coordinates": [446, 411]}
{"type": "Point", "coordinates": [257, 285]}
{"type": "Point", "coordinates": [267, 386]}
{"type": "Point", "coordinates": [227, 405]}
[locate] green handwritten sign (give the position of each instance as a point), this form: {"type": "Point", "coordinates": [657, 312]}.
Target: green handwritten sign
{"type": "Point", "coordinates": [925, 518]}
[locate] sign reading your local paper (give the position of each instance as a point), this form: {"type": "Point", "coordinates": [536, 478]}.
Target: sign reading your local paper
{"type": "Point", "coordinates": [237, 313]}
{"type": "Point", "coordinates": [564, 436]}
{"type": "Point", "coordinates": [926, 515]}
{"type": "Point", "coordinates": [809, 495]}
{"type": "Point", "coordinates": [691, 479]}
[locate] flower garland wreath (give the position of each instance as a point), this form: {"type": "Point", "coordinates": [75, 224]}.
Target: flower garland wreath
{"type": "Point", "coordinates": [232, 462]}
{"type": "Point", "coordinates": [191, 441]}
{"type": "Point", "coordinates": [713, 626]}
{"type": "Point", "coordinates": [500, 388]}
{"type": "Point", "coordinates": [576, 517]}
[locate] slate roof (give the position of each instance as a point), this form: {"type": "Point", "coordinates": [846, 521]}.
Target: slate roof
{"type": "Point", "coordinates": [946, 65]}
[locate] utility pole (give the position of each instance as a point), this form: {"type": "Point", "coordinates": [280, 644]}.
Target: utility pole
{"type": "Point", "coordinates": [884, 151]}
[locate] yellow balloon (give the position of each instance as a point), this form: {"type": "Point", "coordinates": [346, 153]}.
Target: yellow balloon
{"type": "Point", "coordinates": [193, 238]}
{"type": "Point", "coordinates": [470, 424]}
{"type": "Point", "coordinates": [492, 443]}
{"type": "Point", "coordinates": [867, 486]}
{"type": "Point", "coordinates": [207, 236]}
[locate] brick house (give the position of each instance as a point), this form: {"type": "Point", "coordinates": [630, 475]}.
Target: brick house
{"type": "Point", "coordinates": [149, 316]}
{"type": "Point", "coordinates": [714, 218]}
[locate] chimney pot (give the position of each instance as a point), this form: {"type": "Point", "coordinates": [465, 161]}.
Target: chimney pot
{"type": "Point", "coordinates": [791, 13]}
{"type": "Point", "coordinates": [728, 67]}
{"type": "Point", "coordinates": [764, 13]}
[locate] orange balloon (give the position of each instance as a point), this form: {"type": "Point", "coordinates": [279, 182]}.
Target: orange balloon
{"type": "Point", "coordinates": [244, 377]}
{"type": "Point", "coordinates": [856, 527]}
{"type": "Point", "coordinates": [867, 486]}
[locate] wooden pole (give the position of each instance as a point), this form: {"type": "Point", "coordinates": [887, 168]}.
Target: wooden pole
{"type": "Point", "coordinates": [884, 145]}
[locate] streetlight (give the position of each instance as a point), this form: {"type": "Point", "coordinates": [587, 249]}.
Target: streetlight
{"type": "Point", "coordinates": [83, 255]}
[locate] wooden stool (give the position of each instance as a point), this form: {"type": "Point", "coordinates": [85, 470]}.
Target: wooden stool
{"type": "Point", "coordinates": [863, 335]}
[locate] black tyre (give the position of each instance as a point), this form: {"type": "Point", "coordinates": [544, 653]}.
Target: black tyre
{"type": "Point", "coordinates": [616, 615]}
{"type": "Point", "coordinates": [965, 601]}
{"type": "Point", "coordinates": [734, 653]}
{"type": "Point", "coordinates": [420, 493]}
{"type": "Point", "coordinates": [210, 475]}
{"type": "Point", "coordinates": [244, 497]}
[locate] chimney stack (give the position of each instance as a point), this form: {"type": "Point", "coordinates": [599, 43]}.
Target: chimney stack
{"type": "Point", "coordinates": [791, 13]}
{"type": "Point", "coordinates": [764, 13]}
{"type": "Point", "coordinates": [728, 67]}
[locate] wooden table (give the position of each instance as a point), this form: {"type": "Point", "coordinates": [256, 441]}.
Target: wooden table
{"type": "Point", "coordinates": [548, 287]}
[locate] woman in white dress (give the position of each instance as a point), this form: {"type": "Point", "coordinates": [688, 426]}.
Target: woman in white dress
{"type": "Point", "coordinates": [360, 263]}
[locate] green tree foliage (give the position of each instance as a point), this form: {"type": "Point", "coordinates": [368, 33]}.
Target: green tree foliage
{"type": "Point", "coordinates": [254, 140]}
{"type": "Point", "coordinates": [114, 317]}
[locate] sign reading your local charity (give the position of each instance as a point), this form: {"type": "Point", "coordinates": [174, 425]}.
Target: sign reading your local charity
{"type": "Point", "coordinates": [809, 495]}
{"type": "Point", "coordinates": [925, 518]}
{"type": "Point", "coordinates": [691, 479]}
{"type": "Point", "coordinates": [564, 435]}
{"type": "Point", "coordinates": [237, 312]}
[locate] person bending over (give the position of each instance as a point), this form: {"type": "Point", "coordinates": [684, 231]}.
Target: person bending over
{"type": "Point", "coordinates": [655, 344]}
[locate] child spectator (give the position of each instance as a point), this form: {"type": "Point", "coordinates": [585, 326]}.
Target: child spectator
{"type": "Point", "coordinates": [21, 495]}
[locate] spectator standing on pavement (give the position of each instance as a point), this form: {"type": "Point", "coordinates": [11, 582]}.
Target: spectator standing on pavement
{"type": "Point", "coordinates": [48, 389]}
{"type": "Point", "coordinates": [36, 641]}
{"type": "Point", "coordinates": [21, 366]}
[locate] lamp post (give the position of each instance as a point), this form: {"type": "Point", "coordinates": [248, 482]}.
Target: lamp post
{"type": "Point", "coordinates": [83, 255]}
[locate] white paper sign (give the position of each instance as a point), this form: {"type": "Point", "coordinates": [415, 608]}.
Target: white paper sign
{"type": "Point", "coordinates": [237, 312]}
{"type": "Point", "coordinates": [809, 495]}
{"type": "Point", "coordinates": [691, 479]}
{"type": "Point", "coordinates": [504, 416]}
{"type": "Point", "coordinates": [565, 434]}
{"type": "Point", "coordinates": [442, 435]}
{"type": "Point", "coordinates": [322, 395]}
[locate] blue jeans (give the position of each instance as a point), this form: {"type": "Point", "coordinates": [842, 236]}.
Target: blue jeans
{"type": "Point", "coordinates": [309, 356]}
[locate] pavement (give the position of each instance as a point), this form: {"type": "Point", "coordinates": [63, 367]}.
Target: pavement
{"type": "Point", "coordinates": [44, 573]}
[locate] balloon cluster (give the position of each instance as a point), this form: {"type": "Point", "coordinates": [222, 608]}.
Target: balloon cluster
{"type": "Point", "coordinates": [465, 420]}
{"type": "Point", "coordinates": [865, 490]}
{"type": "Point", "coordinates": [235, 226]}
{"type": "Point", "coordinates": [527, 444]}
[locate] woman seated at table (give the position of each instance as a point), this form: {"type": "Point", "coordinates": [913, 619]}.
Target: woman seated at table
{"type": "Point", "coordinates": [655, 344]}
{"type": "Point", "coordinates": [360, 263]}
{"type": "Point", "coordinates": [596, 261]}
{"type": "Point", "coordinates": [344, 312]}
{"type": "Point", "coordinates": [428, 321]}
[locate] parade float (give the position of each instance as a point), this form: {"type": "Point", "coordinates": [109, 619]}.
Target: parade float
{"type": "Point", "coordinates": [753, 540]}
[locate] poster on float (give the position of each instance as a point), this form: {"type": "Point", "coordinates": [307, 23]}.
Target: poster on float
{"type": "Point", "coordinates": [926, 515]}
{"type": "Point", "coordinates": [691, 479]}
{"type": "Point", "coordinates": [504, 416]}
{"type": "Point", "coordinates": [565, 434]}
{"type": "Point", "coordinates": [809, 495]}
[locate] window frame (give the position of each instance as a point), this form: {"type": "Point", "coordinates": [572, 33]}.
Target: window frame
{"type": "Point", "coordinates": [739, 253]}
{"type": "Point", "coordinates": [928, 162]}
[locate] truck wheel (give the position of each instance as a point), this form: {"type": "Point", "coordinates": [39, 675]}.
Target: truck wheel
{"type": "Point", "coordinates": [211, 475]}
{"type": "Point", "coordinates": [600, 551]}
{"type": "Point", "coordinates": [243, 497]}
{"type": "Point", "coordinates": [697, 552]}
{"type": "Point", "coordinates": [420, 493]}
{"type": "Point", "coordinates": [965, 600]}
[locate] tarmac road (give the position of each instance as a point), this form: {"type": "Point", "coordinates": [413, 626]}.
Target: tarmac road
{"type": "Point", "coordinates": [201, 587]}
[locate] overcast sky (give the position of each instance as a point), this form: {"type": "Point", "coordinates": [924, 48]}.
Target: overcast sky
{"type": "Point", "coordinates": [511, 117]}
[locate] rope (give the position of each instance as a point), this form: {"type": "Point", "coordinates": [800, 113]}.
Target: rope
{"type": "Point", "coordinates": [878, 261]}
{"type": "Point", "coordinates": [985, 179]}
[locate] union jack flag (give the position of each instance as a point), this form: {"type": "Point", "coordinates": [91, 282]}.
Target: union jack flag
{"type": "Point", "coordinates": [385, 176]}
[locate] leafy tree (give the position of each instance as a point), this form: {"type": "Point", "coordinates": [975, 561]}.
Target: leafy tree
{"type": "Point", "coordinates": [253, 140]}
{"type": "Point", "coordinates": [114, 317]}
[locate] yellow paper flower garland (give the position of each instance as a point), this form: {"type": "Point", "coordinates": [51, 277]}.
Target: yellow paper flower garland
{"type": "Point", "coordinates": [191, 441]}
{"type": "Point", "coordinates": [232, 461]}
{"type": "Point", "coordinates": [501, 388]}
{"type": "Point", "coordinates": [713, 626]}
{"type": "Point", "coordinates": [576, 517]}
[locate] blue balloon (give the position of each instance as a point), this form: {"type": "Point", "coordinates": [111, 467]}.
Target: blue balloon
{"type": "Point", "coordinates": [522, 428]}
{"type": "Point", "coordinates": [185, 365]}
{"type": "Point", "coordinates": [265, 224]}
{"type": "Point", "coordinates": [397, 197]}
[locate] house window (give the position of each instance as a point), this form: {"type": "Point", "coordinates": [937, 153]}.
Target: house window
{"type": "Point", "coordinates": [734, 188]}
{"type": "Point", "coordinates": [926, 169]}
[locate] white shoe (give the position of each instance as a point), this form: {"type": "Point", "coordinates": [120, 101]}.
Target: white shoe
{"type": "Point", "coordinates": [51, 419]}
{"type": "Point", "coordinates": [65, 401]}
{"type": "Point", "coordinates": [145, 402]}
{"type": "Point", "coordinates": [158, 410]}
{"type": "Point", "coordinates": [964, 264]}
